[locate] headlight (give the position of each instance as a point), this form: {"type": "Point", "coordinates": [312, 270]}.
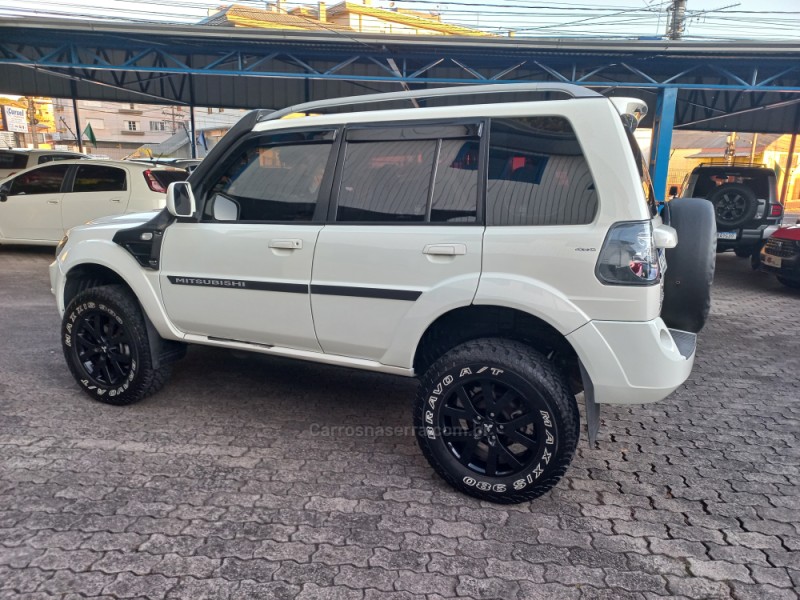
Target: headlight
{"type": "Point", "coordinates": [61, 245]}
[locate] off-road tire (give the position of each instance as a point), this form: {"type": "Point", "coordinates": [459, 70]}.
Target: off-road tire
{"type": "Point", "coordinates": [525, 388]}
{"type": "Point", "coordinates": [734, 205]}
{"type": "Point", "coordinates": [690, 265]}
{"type": "Point", "coordinates": [102, 327]}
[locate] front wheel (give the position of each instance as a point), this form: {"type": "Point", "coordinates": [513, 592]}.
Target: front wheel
{"type": "Point", "coordinates": [105, 343]}
{"type": "Point", "coordinates": [495, 420]}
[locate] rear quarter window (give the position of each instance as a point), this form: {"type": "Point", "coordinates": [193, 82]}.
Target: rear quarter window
{"type": "Point", "coordinates": [538, 174]}
{"type": "Point", "coordinates": [13, 160]}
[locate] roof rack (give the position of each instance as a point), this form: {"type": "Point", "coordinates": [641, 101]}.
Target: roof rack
{"type": "Point", "coordinates": [575, 91]}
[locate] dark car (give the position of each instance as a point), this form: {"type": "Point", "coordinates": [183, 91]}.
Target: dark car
{"type": "Point", "coordinates": [781, 256]}
{"type": "Point", "coordinates": [746, 205]}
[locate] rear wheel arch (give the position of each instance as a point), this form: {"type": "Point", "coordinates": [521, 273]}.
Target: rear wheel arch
{"type": "Point", "coordinates": [483, 321]}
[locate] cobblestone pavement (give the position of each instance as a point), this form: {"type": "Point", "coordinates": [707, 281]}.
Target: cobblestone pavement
{"type": "Point", "coordinates": [224, 486]}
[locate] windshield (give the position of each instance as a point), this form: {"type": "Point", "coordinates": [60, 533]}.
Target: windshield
{"type": "Point", "coordinates": [644, 174]}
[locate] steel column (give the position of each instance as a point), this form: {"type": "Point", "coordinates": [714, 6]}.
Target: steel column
{"type": "Point", "coordinates": [661, 140]}
{"type": "Point", "coordinates": [78, 133]}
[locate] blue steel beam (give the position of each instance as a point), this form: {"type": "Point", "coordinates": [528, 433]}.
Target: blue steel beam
{"type": "Point", "coordinates": [661, 141]}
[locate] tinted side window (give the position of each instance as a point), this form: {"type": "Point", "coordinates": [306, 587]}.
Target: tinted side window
{"type": "Point", "coordinates": [390, 181]}
{"type": "Point", "coordinates": [46, 180]}
{"type": "Point", "coordinates": [386, 181]}
{"type": "Point", "coordinates": [99, 178]}
{"type": "Point", "coordinates": [276, 180]}
{"type": "Point", "coordinates": [455, 189]}
{"type": "Point", "coordinates": [13, 160]}
{"type": "Point", "coordinates": [538, 174]}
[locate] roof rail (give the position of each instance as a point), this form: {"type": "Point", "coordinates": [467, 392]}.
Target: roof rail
{"type": "Point", "coordinates": [569, 89]}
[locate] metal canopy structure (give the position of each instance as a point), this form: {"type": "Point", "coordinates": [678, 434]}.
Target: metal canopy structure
{"type": "Point", "coordinates": [742, 86]}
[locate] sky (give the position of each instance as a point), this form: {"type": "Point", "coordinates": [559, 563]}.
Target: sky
{"type": "Point", "coordinates": [707, 19]}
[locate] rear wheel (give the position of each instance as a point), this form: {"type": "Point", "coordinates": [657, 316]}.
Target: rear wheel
{"type": "Point", "coordinates": [690, 265]}
{"type": "Point", "coordinates": [105, 343]}
{"type": "Point", "coordinates": [743, 252]}
{"type": "Point", "coordinates": [495, 419]}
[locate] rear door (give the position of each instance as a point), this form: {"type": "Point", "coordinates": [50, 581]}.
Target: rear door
{"type": "Point", "coordinates": [96, 191]}
{"type": "Point", "coordinates": [404, 238]}
{"type": "Point", "coordinates": [32, 206]}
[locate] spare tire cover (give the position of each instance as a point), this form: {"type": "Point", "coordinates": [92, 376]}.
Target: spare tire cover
{"type": "Point", "coordinates": [690, 265]}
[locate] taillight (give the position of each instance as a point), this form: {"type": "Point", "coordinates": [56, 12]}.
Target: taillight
{"type": "Point", "coordinates": [153, 183]}
{"type": "Point", "coordinates": [776, 210]}
{"type": "Point", "coordinates": [629, 255]}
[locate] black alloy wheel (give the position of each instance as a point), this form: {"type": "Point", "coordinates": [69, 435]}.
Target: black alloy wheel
{"type": "Point", "coordinates": [103, 347]}
{"type": "Point", "coordinates": [496, 420]}
{"type": "Point", "coordinates": [491, 427]}
{"type": "Point", "coordinates": [105, 341]}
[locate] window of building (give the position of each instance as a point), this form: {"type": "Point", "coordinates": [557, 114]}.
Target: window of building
{"type": "Point", "coordinates": [132, 125]}
{"type": "Point", "coordinates": [276, 178]}
{"type": "Point", "coordinates": [157, 126]}
{"type": "Point", "coordinates": [538, 174]}
{"type": "Point", "coordinates": [46, 180]}
{"type": "Point", "coordinates": [132, 106]}
{"type": "Point", "coordinates": [99, 178]}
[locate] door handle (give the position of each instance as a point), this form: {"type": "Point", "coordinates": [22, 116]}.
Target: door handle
{"type": "Point", "coordinates": [445, 249]}
{"type": "Point", "coordinates": [52, 201]}
{"type": "Point", "coordinates": [286, 244]}
{"type": "Point", "coordinates": [116, 199]}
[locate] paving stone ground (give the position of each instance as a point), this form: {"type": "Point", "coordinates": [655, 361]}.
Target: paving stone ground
{"type": "Point", "coordinates": [248, 477]}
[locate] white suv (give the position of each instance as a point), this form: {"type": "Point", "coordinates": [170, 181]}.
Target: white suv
{"type": "Point", "coordinates": [509, 254]}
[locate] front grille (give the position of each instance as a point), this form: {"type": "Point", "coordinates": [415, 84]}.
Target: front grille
{"type": "Point", "coordinates": [779, 247]}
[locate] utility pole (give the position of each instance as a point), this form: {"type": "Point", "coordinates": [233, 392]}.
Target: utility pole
{"type": "Point", "coordinates": [677, 19]}
{"type": "Point", "coordinates": [32, 120]}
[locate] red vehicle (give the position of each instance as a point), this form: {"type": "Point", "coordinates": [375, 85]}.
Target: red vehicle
{"type": "Point", "coordinates": [781, 256]}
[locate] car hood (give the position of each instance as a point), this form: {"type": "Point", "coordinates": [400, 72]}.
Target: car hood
{"type": "Point", "coordinates": [788, 233]}
{"type": "Point", "coordinates": [129, 219]}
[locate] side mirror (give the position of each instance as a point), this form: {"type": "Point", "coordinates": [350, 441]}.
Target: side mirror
{"type": "Point", "coordinates": [673, 191]}
{"type": "Point", "coordinates": [180, 199]}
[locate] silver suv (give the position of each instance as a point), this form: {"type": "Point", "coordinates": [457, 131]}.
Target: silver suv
{"type": "Point", "coordinates": [501, 243]}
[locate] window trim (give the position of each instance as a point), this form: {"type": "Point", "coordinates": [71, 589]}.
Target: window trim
{"type": "Point", "coordinates": [482, 138]}
{"type": "Point", "coordinates": [323, 194]}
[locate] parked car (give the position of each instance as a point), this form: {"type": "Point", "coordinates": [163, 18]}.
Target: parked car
{"type": "Point", "coordinates": [781, 256]}
{"type": "Point", "coordinates": [18, 159]}
{"type": "Point", "coordinates": [38, 205]}
{"type": "Point", "coordinates": [745, 201]}
{"type": "Point", "coordinates": [509, 254]}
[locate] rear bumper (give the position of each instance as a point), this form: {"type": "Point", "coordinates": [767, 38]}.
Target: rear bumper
{"type": "Point", "coordinates": [748, 237]}
{"type": "Point", "coordinates": [633, 362]}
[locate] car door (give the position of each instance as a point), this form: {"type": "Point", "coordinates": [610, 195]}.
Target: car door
{"type": "Point", "coordinates": [97, 190]}
{"type": "Point", "coordinates": [30, 205]}
{"type": "Point", "coordinates": [242, 271]}
{"type": "Point", "coordinates": [405, 238]}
